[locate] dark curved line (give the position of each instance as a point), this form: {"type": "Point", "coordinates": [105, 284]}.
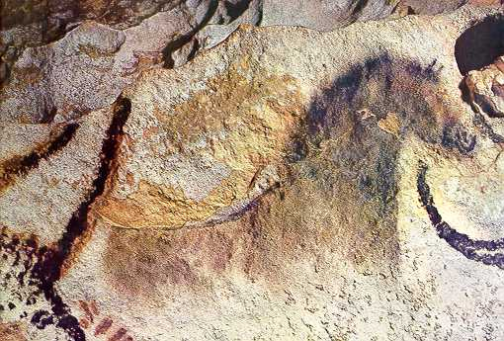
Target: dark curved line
{"type": "Point", "coordinates": [20, 166]}
{"type": "Point", "coordinates": [48, 270]}
{"type": "Point", "coordinates": [471, 249]}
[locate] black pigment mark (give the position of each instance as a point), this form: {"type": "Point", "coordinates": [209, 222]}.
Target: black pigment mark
{"type": "Point", "coordinates": [347, 93]}
{"type": "Point", "coordinates": [42, 318]}
{"type": "Point", "coordinates": [489, 252]}
{"type": "Point", "coordinates": [455, 136]}
{"type": "Point", "coordinates": [20, 166]}
{"type": "Point", "coordinates": [78, 223]}
{"type": "Point", "coordinates": [51, 261]}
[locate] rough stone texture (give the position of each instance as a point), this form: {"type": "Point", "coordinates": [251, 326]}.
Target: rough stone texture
{"type": "Point", "coordinates": [169, 174]}
{"type": "Point", "coordinates": [88, 68]}
{"type": "Point", "coordinates": [487, 88]}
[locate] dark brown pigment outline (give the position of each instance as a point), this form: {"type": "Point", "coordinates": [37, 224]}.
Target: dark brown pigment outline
{"type": "Point", "coordinates": [489, 252]}
{"type": "Point", "coordinates": [17, 167]}
{"type": "Point", "coordinates": [47, 271]}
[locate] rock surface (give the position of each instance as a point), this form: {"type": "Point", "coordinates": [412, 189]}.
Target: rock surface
{"type": "Point", "coordinates": [169, 173]}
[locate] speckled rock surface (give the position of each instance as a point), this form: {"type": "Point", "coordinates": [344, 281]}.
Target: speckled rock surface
{"type": "Point", "coordinates": [172, 179]}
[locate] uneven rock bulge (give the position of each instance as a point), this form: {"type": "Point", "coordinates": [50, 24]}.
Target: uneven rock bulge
{"type": "Point", "coordinates": [167, 173]}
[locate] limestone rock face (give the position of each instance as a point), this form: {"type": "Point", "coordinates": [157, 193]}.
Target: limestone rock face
{"type": "Point", "coordinates": [252, 170]}
{"type": "Point", "coordinates": [487, 88]}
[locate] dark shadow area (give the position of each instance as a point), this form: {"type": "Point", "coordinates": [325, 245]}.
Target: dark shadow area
{"type": "Point", "coordinates": [236, 10]}
{"type": "Point", "coordinates": [174, 45]}
{"type": "Point", "coordinates": [480, 45]}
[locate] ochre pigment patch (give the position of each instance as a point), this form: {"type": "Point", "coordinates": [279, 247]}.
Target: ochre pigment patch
{"type": "Point", "coordinates": [348, 162]}
{"type": "Point", "coordinates": [243, 125]}
{"type": "Point", "coordinates": [145, 262]}
{"type": "Point", "coordinates": [12, 332]}
{"type": "Point", "coordinates": [286, 184]}
{"type": "Point", "coordinates": [162, 206]}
